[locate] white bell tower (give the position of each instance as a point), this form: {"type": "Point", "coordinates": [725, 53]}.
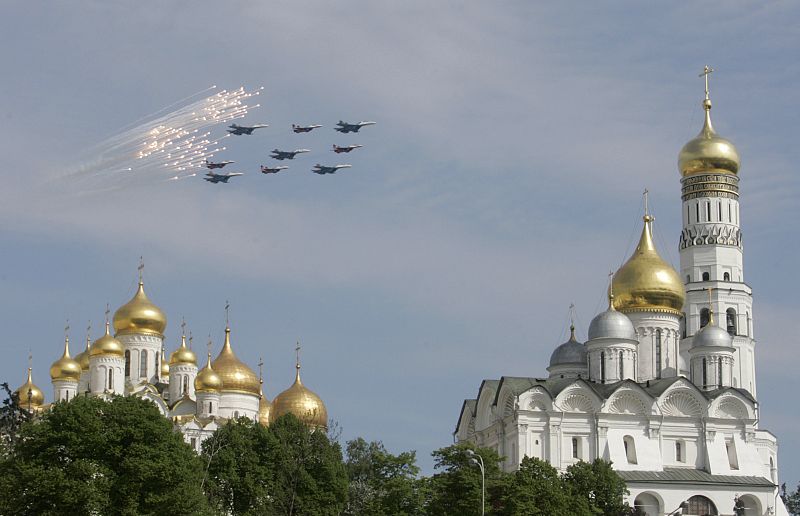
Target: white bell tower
{"type": "Point", "coordinates": [711, 252]}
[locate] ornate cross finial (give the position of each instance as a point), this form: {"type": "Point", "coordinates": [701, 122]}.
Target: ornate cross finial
{"type": "Point", "coordinates": [227, 313]}
{"type": "Point", "coordinates": [646, 208]}
{"type": "Point", "coordinates": [183, 327]}
{"type": "Point", "coordinates": [30, 359]}
{"type": "Point", "coordinates": [190, 339]}
{"type": "Point", "coordinates": [572, 318]}
{"type": "Point", "coordinates": [209, 345]}
{"type": "Point", "coordinates": [66, 329]}
{"type": "Point", "coordinates": [260, 370]}
{"type": "Point", "coordinates": [141, 268]}
{"type": "Point", "coordinates": [707, 70]}
{"type": "Point", "coordinates": [297, 353]}
{"type": "Point", "coordinates": [108, 311]}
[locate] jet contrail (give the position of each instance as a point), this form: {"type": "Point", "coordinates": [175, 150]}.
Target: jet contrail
{"type": "Point", "coordinates": [172, 145]}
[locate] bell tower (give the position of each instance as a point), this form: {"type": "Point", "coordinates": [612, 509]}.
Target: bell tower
{"type": "Point", "coordinates": [711, 251]}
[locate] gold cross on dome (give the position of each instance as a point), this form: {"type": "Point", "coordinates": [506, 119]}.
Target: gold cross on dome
{"type": "Point", "coordinates": [260, 369]}
{"type": "Point", "coordinates": [66, 328]}
{"type": "Point", "coordinates": [646, 209]}
{"type": "Point", "coordinates": [297, 353]}
{"type": "Point", "coordinates": [227, 312]}
{"type": "Point", "coordinates": [707, 70]}
{"type": "Point", "coordinates": [141, 268]}
{"type": "Point", "coordinates": [183, 326]}
{"type": "Point", "coordinates": [108, 311]}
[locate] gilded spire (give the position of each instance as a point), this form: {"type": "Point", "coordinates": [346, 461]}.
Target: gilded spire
{"type": "Point", "coordinates": [65, 368]}
{"type": "Point", "coordinates": [297, 363]}
{"type": "Point", "coordinates": [611, 291]}
{"type": "Point", "coordinates": [236, 375]}
{"type": "Point", "coordinates": [183, 355]}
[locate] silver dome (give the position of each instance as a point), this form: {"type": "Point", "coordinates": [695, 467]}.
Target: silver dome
{"type": "Point", "coordinates": [570, 352]}
{"type": "Point", "coordinates": [712, 335]}
{"type": "Point", "coordinates": [612, 325]}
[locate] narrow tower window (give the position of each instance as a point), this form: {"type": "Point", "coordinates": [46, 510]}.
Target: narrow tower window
{"type": "Point", "coordinates": [705, 374]}
{"type": "Point", "coordinates": [602, 367]}
{"type": "Point", "coordinates": [688, 215]}
{"type": "Point", "coordinates": [127, 363]}
{"type": "Point", "coordinates": [726, 276]}
{"type": "Point", "coordinates": [143, 363]}
{"type": "Point", "coordinates": [697, 211]}
{"type": "Point", "coordinates": [678, 452]}
{"type": "Point", "coordinates": [630, 449]}
{"type": "Point", "coordinates": [704, 317]}
{"type": "Point", "coordinates": [730, 317]}
{"type": "Point", "coordinates": [575, 448]}
{"type": "Point", "coordinates": [621, 368]}
{"type": "Point", "coordinates": [185, 386]}
{"type": "Point", "coordinates": [110, 378]}
{"type": "Point", "coordinates": [730, 219]}
{"type": "Point", "coordinates": [210, 406]}
{"type": "Point", "coordinates": [719, 373]}
{"type": "Point", "coordinates": [708, 212]}
{"type": "Point", "coordinates": [658, 353]}
{"type": "Point", "coordinates": [706, 276]}
{"type": "Point", "coordinates": [719, 205]}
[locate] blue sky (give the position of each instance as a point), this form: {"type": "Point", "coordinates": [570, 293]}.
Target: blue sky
{"type": "Point", "coordinates": [501, 184]}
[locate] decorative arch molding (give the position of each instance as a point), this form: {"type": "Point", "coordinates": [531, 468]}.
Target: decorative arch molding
{"type": "Point", "coordinates": [484, 415]}
{"type": "Point", "coordinates": [730, 407]}
{"type": "Point", "coordinates": [682, 403]}
{"type": "Point", "coordinates": [576, 400]}
{"type": "Point", "coordinates": [628, 402]}
{"type": "Point", "coordinates": [536, 399]}
{"type": "Point", "coordinates": [510, 405]}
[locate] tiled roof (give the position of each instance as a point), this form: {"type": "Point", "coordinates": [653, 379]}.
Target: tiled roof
{"type": "Point", "coordinates": [692, 476]}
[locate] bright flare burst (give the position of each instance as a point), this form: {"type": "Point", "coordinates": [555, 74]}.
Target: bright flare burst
{"type": "Point", "coordinates": [172, 143]}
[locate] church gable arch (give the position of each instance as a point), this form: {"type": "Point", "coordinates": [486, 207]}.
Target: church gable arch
{"type": "Point", "coordinates": [537, 399]}
{"type": "Point", "coordinates": [484, 415]}
{"type": "Point", "coordinates": [730, 406]}
{"type": "Point", "coordinates": [578, 398]}
{"type": "Point", "coordinates": [628, 401]}
{"type": "Point", "coordinates": [682, 403]}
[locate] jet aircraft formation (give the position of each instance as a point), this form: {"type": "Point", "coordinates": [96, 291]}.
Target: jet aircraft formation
{"type": "Point", "coordinates": [280, 155]}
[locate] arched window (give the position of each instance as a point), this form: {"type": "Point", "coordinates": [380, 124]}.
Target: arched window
{"type": "Point", "coordinates": [210, 407]}
{"type": "Point", "coordinates": [185, 386]}
{"type": "Point", "coordinates": [127, 362]}
{"type": "Point", "coordinates": [621, 367]}
{"type": "Point", "coordinates": [748, 325]}
{"type": "Point", "coordinates": [719, 206]}
{"type": "Point", "coordinates": [706, 276]}
{"type": "Point", "coordinates": [688, 279]}
{"type": "Point", "coordinates": [726, 276]}
{"type": "Point", "coordinates": [157, 369]}
{"type": "Point", "coordinates": [143, 364]}
{"type": "Point", "coordinates": [592, 377]}
{"type": "Point", "coordinates": [705, 374]}
{"type": "Point", "coordinates": [235, 414]}
{"type": "Point", "coordinates": [110, 378]}
{"type": "Point", "coordinates": [602, 367]}
{"type": "Point", "coordinates": [66, 395]}
{"type": "Point", "coordinates": [730, 317]}
{"type": "Point", "coordinates": [705, 315]}
{"type": "Point", "coordinates": [658, 353]}
{"type": "Point", "coordinates": [630, 449]}
{"type": "Point", "coordinates": [719, 373]}
{"type": "Point", "coordinates": [708, 212]}
{"type": "Point", "coordinates": [701, 506]}
{"type": "Point", "coordinates": [576, 451]}
{"type": "Point", "coordinates": [678, 452]}
{"type": "Point", "coordinates": [697, 211]}
{"type": "Point", "coordinates": [731, 449]}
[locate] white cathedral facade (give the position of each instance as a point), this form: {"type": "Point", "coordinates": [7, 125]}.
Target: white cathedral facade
{"type": "Point", "coordinates": [665, 385]}
{"type": "Point", "coordinates": [132, 362]}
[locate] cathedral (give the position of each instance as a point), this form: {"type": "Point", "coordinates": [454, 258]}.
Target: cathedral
{"type": "Point", "coordinates": [132, 362]}
{"type": "Point", "coordinates": [665, 385]}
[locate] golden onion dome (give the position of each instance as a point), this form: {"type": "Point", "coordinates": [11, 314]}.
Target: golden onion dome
{"type": "Point", "coordinates": [183, 355]}
{"type": "Point", "coordinates": [82, 358]}
{"type": "Point", "coordinates": [107, 345]}
{"type": "Point", "coordinates": [708, 152]}
{"type": "Point", "coordinates": [66, 367]}
{"type": "Point", "coordinates": [646, 283]}
{"type": "Point", "coordinates": [139, 316]}
{"type": "Point", "coordinates": [236, 376]}
{"type": "Point", "coordinates": [29, 394]}
{"type": "Point", "coordinates": [164, 365]}
{"type": "Point", "coordinates": [302, 402]}
{"type": "Point", "coordinates": [207, 380]}
{"type": "Point", "coordinates": [264, 408]}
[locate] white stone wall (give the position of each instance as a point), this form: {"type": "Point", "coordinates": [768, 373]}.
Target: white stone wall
{"type": "Point", "coordinates": [99, 367]}
{"type": "Point", "coordinates": [64, 390]}
{"type": "Point", "coordinates": [648, 325]}
{"type": "Point", "coordinates": [243, 404]}
{"type": "Point", "coordinates": [609, 350]}
{"type": "Point", "coordinates": [181, 375]}
{"type": "Point", "coordinates": [135, 344]}
{"type": "Point", "coordinates": [203, 400]}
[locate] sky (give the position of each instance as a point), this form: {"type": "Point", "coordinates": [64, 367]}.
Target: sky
{"type": "Point", "coordinates": [501, 183]}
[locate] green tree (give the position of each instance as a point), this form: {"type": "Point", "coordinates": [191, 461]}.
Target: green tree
{"type": "Point", "coordinates": [536, 488]}
{"type": "Point", "coordinates": [791, 500]}
{"type": "Point", "coordinates": [456, 488]}
{"type": "Point", "coordinates": [287, 468]}
{"type": "Point", "coordinates": [382, 483]}
{"type": "Point", "coordinates": [597, 484]}
{"type": "Point", "coordinates": [90, 456]}
{"type": "Point", "coordinates": [12, 416]}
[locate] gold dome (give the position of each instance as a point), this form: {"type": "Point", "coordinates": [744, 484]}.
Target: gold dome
{"type": "Point", "coordinates": [82, 358]}
{"type": "Point", "coordinates": [29, 394]}
{"type": "Point", "coordinates": [236, 376]}
{"type": "Point", "coordinates": [708, 152]}
{"type": "Point", "coordinates": [164, 365]}
{"type": "Point", "coordinates": [302, 402]}
{"type": "Point", "coordinates": [140, 316]}
{"type": "Point", "coordinates": [66, 367]}
{"type": "Point", "coordinates": [183, 355]}
{"type": "Point", "coordinates": [646, 283]}
{"type": "Point", "coordinates": [107, 345]}
{"type": "Point", "coordinates": [264, 409]}
{"type": "Point", "coordinates": [207, 380]}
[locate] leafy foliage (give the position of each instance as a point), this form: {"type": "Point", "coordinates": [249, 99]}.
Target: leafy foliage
{"type": "Point", "coordinates": [791, 500]}
{"type": "Point", "coordinates": [597, 484]}
{"type": "Point", "coordinates": [287, 468]}
{"type": "Point", "coordinates": [12, 416]}
{"type": "Point", "coordinates": [382, 483]}
{"type": "Point", "coordinates": [536, 488]}
{"type": "Point", "coordinates": [90, 456]}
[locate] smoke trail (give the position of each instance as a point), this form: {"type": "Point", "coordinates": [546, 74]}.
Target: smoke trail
{"type": "Point", "coordinates": [172, 143]}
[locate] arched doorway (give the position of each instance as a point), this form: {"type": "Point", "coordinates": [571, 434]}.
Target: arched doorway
{"type": "Point", "coordinates": [647, 504]}
{"type": "Point", "coordinates": [700, 506]}
{"type": "Point", "coordinates": [752, 507]}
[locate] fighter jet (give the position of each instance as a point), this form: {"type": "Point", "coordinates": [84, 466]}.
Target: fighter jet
{"type": "Point", "coordinates": [346, 148]}
{"type": "Point", "coordinates": [304, 128]}
{"type": "Point", "coordinates": [241, 129]}
{"type": "Point", "coordinates": [344, 127]}
{"type": "Point", "coordinates": [322, 170]}
{"type": "Point", "coordinates": [272, 170]}
{"type": "Point", "coordinates": [212, 165]}
{"type": "Point", "coordinates": [211, 177]}
{"type": "Point", "coordinates": [281, 155]}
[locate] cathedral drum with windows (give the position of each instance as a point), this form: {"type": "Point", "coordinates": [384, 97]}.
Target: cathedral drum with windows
{"type": "Point", "coordinates": [665, 385]}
